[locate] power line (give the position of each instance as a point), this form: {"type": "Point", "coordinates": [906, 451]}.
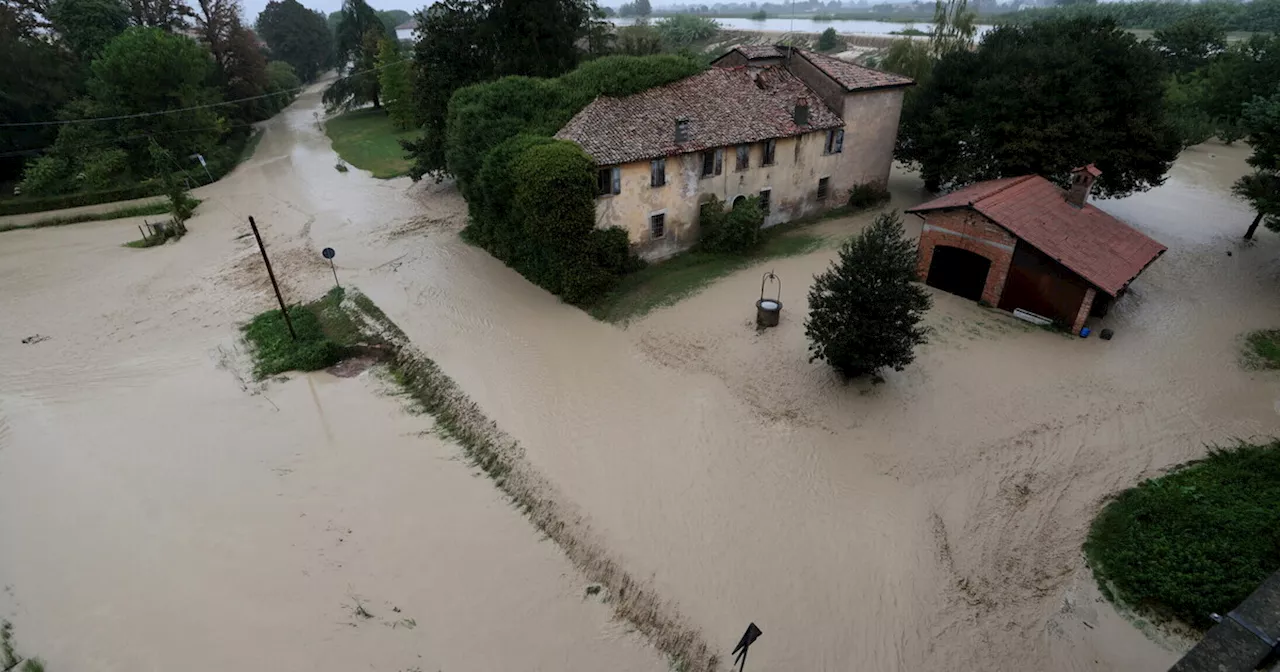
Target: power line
{"type": "Point", "coordinates": [184, 109]}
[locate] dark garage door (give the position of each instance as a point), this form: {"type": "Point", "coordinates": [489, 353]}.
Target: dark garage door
{"type": "Point", "coordinates": [958, 271]}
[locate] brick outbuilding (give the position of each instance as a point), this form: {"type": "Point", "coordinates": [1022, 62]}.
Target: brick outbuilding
{"type": "Point", "coordinates": [1022, 242]}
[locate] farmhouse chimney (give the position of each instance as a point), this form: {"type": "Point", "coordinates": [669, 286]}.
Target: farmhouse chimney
{"type": "Point", "coordinates": [682, 130]}
{"type": "Point", "coordinates": [801, 116]}
{"type": "Point", "coordinates": [1081, 183]}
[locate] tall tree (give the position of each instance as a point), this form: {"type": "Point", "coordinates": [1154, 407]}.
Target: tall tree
{"type": "Point", "coordinates": [396, 86]}
{"type": "Point", "coordinates": [36, 79]}
{"type": "Point", "coordinates": [1247, 69]}
{"type": "Point", "coordinates": [170, 15]}
{"type": "Point", "coordinates": [1261, 122]}
{"type": "Point", "coordinates": [1189, 43]}
{"type": "Point", "coordinates": [865, 311]}
{"type": "Point", "coordinates": [1043, 98]}
{"type": "Point", "coordinates": [355, 23]}
{"type": "Point", "coordinates": [86, 26]}
{"type": "Point", "coordinates": [298, 36]}
{"type": "Point", "coordinates": [460, 42]}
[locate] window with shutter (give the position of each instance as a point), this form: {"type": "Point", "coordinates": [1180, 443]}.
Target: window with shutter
{"type": "Point", "coordinates": [708, 163]}
{"type": "Point", "coordinates": [764, 200]}
{"type": "Point", "coordinates": [658, 172]}
{"type": "Point", "coordinates": [770, 149]}
{"type": "Point", "coordinates": [744, 157]}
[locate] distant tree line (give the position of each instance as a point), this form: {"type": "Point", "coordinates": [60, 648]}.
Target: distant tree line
{"type": "Point", "coordinates": [1256, 15]}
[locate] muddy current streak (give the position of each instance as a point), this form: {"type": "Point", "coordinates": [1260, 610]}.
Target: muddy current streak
{"type": "Point", "coordinates": [159, 512]}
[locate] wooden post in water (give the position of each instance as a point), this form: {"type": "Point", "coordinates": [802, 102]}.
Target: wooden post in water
{"type": "Point", "coordinates": [270, 274]}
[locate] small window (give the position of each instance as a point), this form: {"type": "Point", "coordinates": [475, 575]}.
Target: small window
{"type": "Point", "coordinates": [609, 181]}
{"type": "Point", "coordinates": [770, 148]}
{"type": "Point", "coordinates": [657, 226]}
{"type": "Point", "coordinates": [824, 185]}
{"type": "Point", "coordinates": [764, 200]}
{"type": "Point", "coordinates": [658, 172]}
{"type": "Point", "coordinates": [744, 157]}
{"type": "Point", "coordinates": [708, 163]}
{"type": "Point", "coordinates": [835, 141]}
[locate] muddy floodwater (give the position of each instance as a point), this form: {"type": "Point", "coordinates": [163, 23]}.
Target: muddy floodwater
{"type": "Point", "coordinates": [159, 511]}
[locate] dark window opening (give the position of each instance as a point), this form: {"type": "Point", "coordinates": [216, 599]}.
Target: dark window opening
{"type": "Point", "coordinates": [764, 200]}
{"type": "Point", "coordinates": [835, 141]}
{"type": "Point", "coordinates": [708, 163]}
{"type": "Point", "coordinates": [824, 185]}
{"type": "Point", "coordinates": [770, 148]}
{"type": "Point", "coordinates": [658, 172]}
{"type": "Point", "coordinates": [657, 226]}
{"type": "Point", "coordinates": [608, 181]}
{"type": "Point", "coordinates": [958, 271]}
{"type": "Point", "coordinates": [744, 157]}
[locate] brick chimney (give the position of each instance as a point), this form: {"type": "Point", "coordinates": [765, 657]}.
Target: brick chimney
{"type": "Point", "coordinates": [1081, 183]}
{"type": "Point", "coordinates": [801, 115]}
{"type": "Point", "coordinates": [682, 130]}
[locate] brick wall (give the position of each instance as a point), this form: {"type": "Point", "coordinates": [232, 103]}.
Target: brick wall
{"type": "Point", "coordinates": [970, 231]}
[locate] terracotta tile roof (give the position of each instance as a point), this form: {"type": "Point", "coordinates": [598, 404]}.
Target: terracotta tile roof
{"type": "Point", "coordinates": [724, 106]}
{"type": "Point", "coordinates": [851, 76]}
{"type": "Point", "coordinates": [1103, 250]}
{"type": "Point", "coordinates": [754, 51]}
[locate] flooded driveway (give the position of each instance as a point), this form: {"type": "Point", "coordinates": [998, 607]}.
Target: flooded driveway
{"type": "Point", "coordinates": [933, 522]}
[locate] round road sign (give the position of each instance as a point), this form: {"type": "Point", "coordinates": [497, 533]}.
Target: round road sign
{"type": "Point", "coordinates": [328, 252]}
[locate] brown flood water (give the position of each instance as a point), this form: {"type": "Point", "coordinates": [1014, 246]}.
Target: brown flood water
{"type": "Point", "coordinates": [152, 508]}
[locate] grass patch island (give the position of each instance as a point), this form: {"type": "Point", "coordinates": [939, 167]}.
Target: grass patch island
{"type": "Point", "coordinates": [1196, 541]}
{"type": "Point", "coordinates": [367, 140]}
{"type": "Point", "coordinates": [1262, 349]}
{"type": "Point", "coordinates": [326, 335]}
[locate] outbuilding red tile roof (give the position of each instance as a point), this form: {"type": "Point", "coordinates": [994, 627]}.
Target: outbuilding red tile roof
{"type": "Point", "coordinates": [724, 106]}
{"type": "Point", "coordinates": [851, 76]}
{"type": "Point", "coordinates": [1103, 250]}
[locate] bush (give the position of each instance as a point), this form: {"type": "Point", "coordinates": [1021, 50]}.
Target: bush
{"type": "Point", "coordinates": [46, 176]}
{"type": "Point", "coordinates": [105, 168]}
{"type": "Point", "coordinates": [865, 311]}
{"type": "Point", "coordinates": [683, 30]}
{"type": "Point", "coordinates": [829, 40]}
{"type": "Point", "coordinates": [760, 16]}
{"type": "Point", "coordinates": [1195, 541]}
{"type": "Point", "coordinates": [553, 239]}
{"type": "Point", "coordinates": [864, 196]}
{"type": "Point", "coordinates": [736, 231]}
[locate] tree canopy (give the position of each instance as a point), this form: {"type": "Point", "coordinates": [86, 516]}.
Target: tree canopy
{"type": "Point", "coordinates": [86, 26]}
{"type": "Point", "coordinates": [1188, 43]}
{"type": "Point", "coordinates": [1044, 98]}
{"type": "Point", "coordinates": [1261, 123]}
{"type": "Point", "coordinates": [865, 310]}
{"type": "Point", "coordinates": [298, 36]}
{"type": "Point", "coordinates": [461, 42]}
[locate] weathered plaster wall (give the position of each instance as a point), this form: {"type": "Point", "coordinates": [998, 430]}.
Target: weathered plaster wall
{"type": "Point", "coordinates": [871, 128]}
{"type": "Point", "coordinates": [792, 181]}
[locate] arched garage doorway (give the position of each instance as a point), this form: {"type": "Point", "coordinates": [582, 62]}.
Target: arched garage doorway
{"type": "Point", "coordinates": [958, 271]}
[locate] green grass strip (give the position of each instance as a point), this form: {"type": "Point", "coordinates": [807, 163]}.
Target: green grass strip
{"type": "Point", "coordinates": [1195, 541]}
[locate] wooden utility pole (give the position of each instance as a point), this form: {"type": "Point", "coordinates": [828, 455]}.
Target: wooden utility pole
{"type": "Point", "coordinates": [270, 274]}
